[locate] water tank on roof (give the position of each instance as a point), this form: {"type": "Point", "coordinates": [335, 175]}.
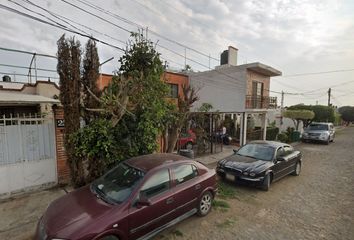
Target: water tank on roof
{"type": "Point", "coordinates": [224, 58]}
{"type": "Point", "coordinates": [6, 78]}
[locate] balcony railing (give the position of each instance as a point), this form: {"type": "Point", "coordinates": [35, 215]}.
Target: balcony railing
{"type": "Point", "coordinates": [259, 102]}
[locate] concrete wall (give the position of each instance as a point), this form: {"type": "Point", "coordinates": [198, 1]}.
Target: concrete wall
{"type": "Point", "coordinates": [224, 88]}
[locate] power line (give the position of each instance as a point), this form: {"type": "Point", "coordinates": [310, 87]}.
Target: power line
{"type": "Point", "coordinates": [67, 20]}
{"type": "Point", "coordinates": [67, 29]}
{"type": "Point", "coordinates": [97, 16]}
{"type": "Point", "coordinates": [26, 75]}
{"type": "Point", "coordinates": [317, 73]}
{"type": "Point", "coordinates": [87, 3]}
{"type": "Point", "coordinates": [52, 14]}
{"type": "Point", "coordinates": [23, 67]}
{"type": "Point", "coordinates": [57, 26]}
{"type": "Point", "coordinates": [26, 52]}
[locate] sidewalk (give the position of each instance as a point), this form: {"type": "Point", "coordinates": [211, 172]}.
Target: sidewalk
{"type": "Point", "coordinates": [210, 159]}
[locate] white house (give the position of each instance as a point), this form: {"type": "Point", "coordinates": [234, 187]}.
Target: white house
{"type": "Point", "coordinates": [239, 90]}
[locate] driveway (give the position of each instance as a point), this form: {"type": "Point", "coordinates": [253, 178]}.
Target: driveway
{"type": "Point", "coordinates": [318, 204]}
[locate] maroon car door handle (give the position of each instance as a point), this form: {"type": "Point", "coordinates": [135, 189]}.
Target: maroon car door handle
{"type": "Point", "coordinates": [170, 200]}
{"type": "Point", "coordinates": [197, 186]}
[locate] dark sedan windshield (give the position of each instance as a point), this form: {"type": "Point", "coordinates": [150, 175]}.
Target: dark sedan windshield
{"type": "Point", "coordinates": [117, 184]}
{"type": "Point", "coordinates": [258, 151]}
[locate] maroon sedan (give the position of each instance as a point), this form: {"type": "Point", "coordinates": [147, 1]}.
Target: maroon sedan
{"type": "Point", "coordinates": [135, 200]}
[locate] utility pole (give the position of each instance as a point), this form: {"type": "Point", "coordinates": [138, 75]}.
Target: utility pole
{"type": "Point", "coordinates": [185, 58]}
{"type": "Point", "coordinates": [329, 97]}
{"type": "Point", "coordinates": [281, 107]}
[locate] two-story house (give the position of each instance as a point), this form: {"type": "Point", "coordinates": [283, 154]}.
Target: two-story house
{"type": "Point", "coordinates": [238, 90]}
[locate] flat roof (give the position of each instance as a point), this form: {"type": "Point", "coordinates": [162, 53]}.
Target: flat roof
{"type": "Point", "coordinates": [14, 98]}
{"type": "Point", "coordinates": [262, 69]}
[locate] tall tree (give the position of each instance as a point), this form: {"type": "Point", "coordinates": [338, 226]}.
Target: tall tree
{"type": "Point", "coordinates": [68, 68]}
{"type": "Point", "coordinates": [90, 75]}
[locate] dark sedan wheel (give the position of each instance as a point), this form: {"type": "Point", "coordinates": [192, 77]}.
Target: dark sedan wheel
{"type": "Point", "coordinates": [266, 182]}
{"type": "Point", "coordinates": [205, 204]}
{"type": "Point", "coordinates": [297, 169]}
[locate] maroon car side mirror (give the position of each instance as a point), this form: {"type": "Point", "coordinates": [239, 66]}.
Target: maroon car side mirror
{"type": "Point", "coordinates": [142, 202]}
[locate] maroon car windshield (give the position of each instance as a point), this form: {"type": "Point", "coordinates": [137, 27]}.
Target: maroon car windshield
{"type": "Point", "coordinates": [117, 185]}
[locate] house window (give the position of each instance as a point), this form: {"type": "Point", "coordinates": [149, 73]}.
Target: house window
{"type": "Point", "coordinates": [173, 90]}
{"type": "Point", "coordinates": [257, 94]}
{"type": "Point", "coordinates": [257, 88]}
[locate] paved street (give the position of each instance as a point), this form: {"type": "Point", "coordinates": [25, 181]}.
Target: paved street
{"type": "Point", "coordinates": [318, 204]}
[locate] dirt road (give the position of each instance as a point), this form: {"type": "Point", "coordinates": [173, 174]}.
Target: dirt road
{"type": "Point", "coordinates": [318, 204]}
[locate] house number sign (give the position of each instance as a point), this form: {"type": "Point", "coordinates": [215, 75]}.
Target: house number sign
{"type": "Point", "coordinates": [60, 123]}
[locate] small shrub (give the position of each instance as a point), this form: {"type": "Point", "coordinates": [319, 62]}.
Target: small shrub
{"type": "Point", "coordinates": [283, 137]}
{"type": "Point", "coordinates": [272, 133]}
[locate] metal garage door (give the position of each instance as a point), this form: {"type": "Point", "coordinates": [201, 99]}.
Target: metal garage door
{"type": "Point", "coordinates": [27, 153]}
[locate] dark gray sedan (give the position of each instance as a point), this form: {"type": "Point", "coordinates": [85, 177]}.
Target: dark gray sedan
{"type": "Point", "coordinates": [261, 162]}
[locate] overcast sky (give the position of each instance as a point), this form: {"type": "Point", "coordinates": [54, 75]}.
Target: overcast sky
{"type": "Point", "coordinates": [295, 37]}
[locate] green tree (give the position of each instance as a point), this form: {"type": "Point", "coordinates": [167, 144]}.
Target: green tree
{"type": "Point", "coordinates": [347, 113]}
{"type": "Point", "coordinates": [90, 74]}
{"type": "Point", "coordinates": [299, 115]}
{"type": "Point", "coordinates": [322, 113]}
{"type": "Point", "coordinates": [68, 68]}
{"type": "Point", "coordinates": [132, 111]}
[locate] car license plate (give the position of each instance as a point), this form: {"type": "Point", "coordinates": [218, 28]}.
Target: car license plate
{"type": "Point", "coordinates": [230, 177]}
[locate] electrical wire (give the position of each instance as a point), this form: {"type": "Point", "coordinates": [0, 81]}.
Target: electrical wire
{"type": "Point", "coordinates": [87, 3]}
{"type": "Point", "coordinates": [24, 67]}
{"type": "Point", "coordinates": [26, 75]}
{"type": "Point", "coordinates": [58, 26]}
{"type": "Point", "coordinates": [68, 20]}
{"type": "Point", "coordinates": [317, 73]}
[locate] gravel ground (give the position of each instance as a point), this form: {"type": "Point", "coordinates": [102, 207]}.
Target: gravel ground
{"type": "Point", "coordinates": [318, 204]}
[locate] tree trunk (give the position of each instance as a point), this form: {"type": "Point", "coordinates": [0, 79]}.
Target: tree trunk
{"type": "Point", "coordinates": [173, 137]}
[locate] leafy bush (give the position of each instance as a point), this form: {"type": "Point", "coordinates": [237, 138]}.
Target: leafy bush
{"type": "Point", "coordinates": [283, 137]}
{"type": "Point", "coordinates": [272, 133]}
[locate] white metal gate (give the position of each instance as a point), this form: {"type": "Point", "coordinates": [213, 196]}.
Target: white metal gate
{"type": "Point", "coordinates": [27, 153]}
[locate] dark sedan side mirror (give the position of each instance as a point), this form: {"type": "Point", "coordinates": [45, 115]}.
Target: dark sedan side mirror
{"type": "Point", "coordinates": [143, 201]}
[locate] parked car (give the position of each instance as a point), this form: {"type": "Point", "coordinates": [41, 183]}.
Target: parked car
{"type": "Point", "coordinates": [261, 162]}
{"type": "Point", "coordinates": [135, 200]}
{"type": "Point", "coordinates": [187, 140]}
{"type": "Point", "coordinates": [322, 132]}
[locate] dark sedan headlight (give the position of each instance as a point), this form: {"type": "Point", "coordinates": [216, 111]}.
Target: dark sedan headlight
{"type": "Point", "coordinates": [252, 174]}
